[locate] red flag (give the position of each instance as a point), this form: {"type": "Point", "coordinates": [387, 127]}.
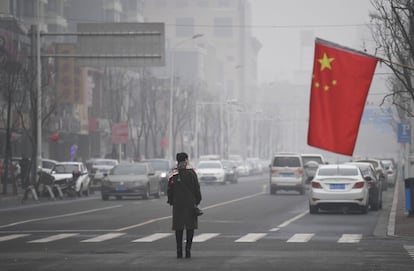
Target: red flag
{"type": "Point", "coordinates": [54, 137]}
{"type": "Point", "coordinates": [340, 82]}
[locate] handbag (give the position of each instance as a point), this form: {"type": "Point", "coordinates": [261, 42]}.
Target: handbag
{"type": "Point", "coordinates": [198, 211]}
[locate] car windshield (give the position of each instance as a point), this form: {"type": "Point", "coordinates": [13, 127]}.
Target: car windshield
{"type": "Point", "coordinates": [65, 168]}
{"type": "Point", "coordinates": [209, 165]}
{"type": "Point", "coordinates": [129, 170]}
{"type": "Point", "coordinates": [338, 171]}
{"type": "Point", "coordinates": [159, 164]}
{"type": "Point", "coordinates": [316, 159]}
{"type": "Point", "coordinates": [286, 162]}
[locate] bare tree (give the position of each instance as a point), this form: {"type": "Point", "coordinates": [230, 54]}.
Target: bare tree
{"type": "Point", "coordinates": [393, 33]}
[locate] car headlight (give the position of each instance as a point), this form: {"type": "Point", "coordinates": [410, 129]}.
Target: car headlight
{"type": "Point", "coordinates": [163, 174]}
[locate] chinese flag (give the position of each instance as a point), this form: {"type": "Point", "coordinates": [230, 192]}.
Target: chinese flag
{"type": "Point", "coordinates": [340, 82]}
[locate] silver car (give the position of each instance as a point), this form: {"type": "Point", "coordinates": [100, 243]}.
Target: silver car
{"type": "Point", "coordinates": [131, 179]}
{"type": "Point", "coordinates": [287, 173]}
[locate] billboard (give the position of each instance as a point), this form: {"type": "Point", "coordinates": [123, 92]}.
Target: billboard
{"type": "Point", "coordinates": [121, 44]}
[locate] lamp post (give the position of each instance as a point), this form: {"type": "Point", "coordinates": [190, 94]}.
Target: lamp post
{"type": "Point", "coordinates": [170, 130]}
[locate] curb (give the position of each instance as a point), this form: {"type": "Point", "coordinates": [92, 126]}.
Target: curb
{"type": "Point", "coordinates": [393, 213]}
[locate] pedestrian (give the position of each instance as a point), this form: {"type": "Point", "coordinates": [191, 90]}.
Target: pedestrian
{"type": "Point", "coordinates": [183, 195]}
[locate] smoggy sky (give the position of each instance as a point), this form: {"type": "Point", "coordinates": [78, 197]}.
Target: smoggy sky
{"type": "Point", "coordinates": [278, 25]}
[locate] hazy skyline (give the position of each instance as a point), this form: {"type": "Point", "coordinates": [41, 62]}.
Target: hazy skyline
{"type": "Point", "coordinates": [277, 24]}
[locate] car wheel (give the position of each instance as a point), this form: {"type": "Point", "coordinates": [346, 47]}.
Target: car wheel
{"type": "Point", "coordinates": [105, 197]}
{"type": "Point", "coordinates": [147, 192]}
{"type": "Point", "coordinates": [272, 191]}
{"type": "Point", "coordinates": [375, 205]}
{"type": "Point", "coordinates": [157, 194]}
{"type": "Point", "coordinates": [302, 191]}
{"type": "Point", "coordinates": [87, 191]}
{"type": "Point", "coordinates": [118, 197]}
{"type": "Point", "coordinates": [364, 209]}
{"type": "Point", "coordinates": [313, 209]}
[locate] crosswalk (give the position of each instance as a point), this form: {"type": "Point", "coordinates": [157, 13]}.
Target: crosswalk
{"type": "Point", "coordinates": [199, 238]}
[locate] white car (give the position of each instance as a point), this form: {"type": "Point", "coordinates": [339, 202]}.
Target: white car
{"type": "Point", "coordinates": [63, 171]}
{"type": "Point", "coordinates": [99, 168]}
{"type": "Point", "coordinates": [339, 186]}
{"type": "Point", "coordinates": [211, 171]}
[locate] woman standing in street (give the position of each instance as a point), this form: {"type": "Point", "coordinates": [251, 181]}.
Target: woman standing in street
{"type": "Point", "coordinates": [183, 194]}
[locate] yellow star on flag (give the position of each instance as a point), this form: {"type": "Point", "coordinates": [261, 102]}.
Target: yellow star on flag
{"type": "Point", "coordinates": [325, 62]}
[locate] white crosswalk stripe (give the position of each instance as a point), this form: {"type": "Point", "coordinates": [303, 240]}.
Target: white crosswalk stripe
{"type": "Point", "coordinates": [12, 236]}
{"type": "Point", "coordinates": [410, 251]}
{"type": "Point", "coordinates": [251, 237]}
{"type": "Point", "coordinates": [204, 237]}
{"type": "Point", "coordinates": [300, 238]}
{"type": "Point", "coordinates": [152, 237]}
{"type": "Point", "coordinates": [54, 238]}
{"type": "Point", "coordinates": [103, 237]}
{"type": "Point", "coordinates": [350, 238]}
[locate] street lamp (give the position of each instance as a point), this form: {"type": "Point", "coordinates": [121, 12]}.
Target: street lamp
{"type": "Point", "coordinates": [170, 131]}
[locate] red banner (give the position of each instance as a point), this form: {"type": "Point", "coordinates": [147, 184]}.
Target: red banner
{"type": "Point", "coordinates": [120, 133]}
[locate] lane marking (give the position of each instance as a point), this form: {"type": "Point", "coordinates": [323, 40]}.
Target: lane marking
{"type": "Point", "coordinates": [300, 238]}
{"type": "Point", "coordinates": [350, 238]}
{"type": "Point", "coordinates": [204, 237]}
{"type": "Point", "coordinates": [59, 216]}
{"type": "Point", "coordinates": [250, 237]}
{"type": "Point", "coordinates": [274, 229]}
{"type": "Point", "coordinates": [287, 222]}
{"type": "Point", "coordinates": [204, 208]}
{"type": "Point", "coordinates": [54, 238]}
{"type": "Point", "coordinates": [152, 237]}
{"type": "Point", "coordinates": [103, 237]}
{"type": "Point", "coordinates": [12, 236]}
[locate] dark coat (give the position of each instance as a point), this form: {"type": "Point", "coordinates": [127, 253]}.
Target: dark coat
{"type": "Point", "coordinates": [183, 194]}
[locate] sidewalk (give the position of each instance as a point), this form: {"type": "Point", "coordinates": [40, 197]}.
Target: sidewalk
{"type": "Point", "coordinates": [404, 224]}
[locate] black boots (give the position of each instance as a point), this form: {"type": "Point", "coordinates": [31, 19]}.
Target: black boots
{"type": "Point", "coordinates": [189, 237]}
{"type": "Point", "coordinates": [179, 241]}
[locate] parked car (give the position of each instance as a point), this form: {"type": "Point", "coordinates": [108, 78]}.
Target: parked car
{"type": "Point", "coordinates": [211, 171]}
{"type": "Point", "coordinates": [375, 186]}
{"type": "Point", "coordinates": [162, 168]}
{"type": "Point", "coordinates": [47, 165]}
{"type": "Point", "coordinates": [380, 170]}
{"type": "Point", "coordinates": [391, 170]}
{"type": "Point", "coordinates": [63, 171]}
{"type": "Point", "coordinates": [230, 168]}
{"type": "Point", "coordinates": [287, 173]}
{"type": "Point", "coordinates": [311, 163]}
{"type": "Point", "coordinates": [131, 179]}
{"type": "Point", "coordinates": [339, 186]}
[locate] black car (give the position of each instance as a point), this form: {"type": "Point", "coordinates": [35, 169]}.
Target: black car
{"type": "Point", "coordinates": [230, 169]}
{"type": "Point", "coordinates": [375, 185]}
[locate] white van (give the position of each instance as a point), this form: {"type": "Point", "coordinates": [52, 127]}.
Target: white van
{"type": "Point", "coordinates": [287, 173]}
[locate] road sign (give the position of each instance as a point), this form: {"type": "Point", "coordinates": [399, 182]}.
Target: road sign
{"type": "Point", "coordinates": [120, 133]}
{"type": "Point", "coordinates": [404, 132]}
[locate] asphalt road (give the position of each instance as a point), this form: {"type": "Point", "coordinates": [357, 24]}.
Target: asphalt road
{"type": "Point", "coordinates": [243, 228]}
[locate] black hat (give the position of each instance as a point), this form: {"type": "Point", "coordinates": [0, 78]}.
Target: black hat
{"type": "Point", "coordinates": [181, 156]}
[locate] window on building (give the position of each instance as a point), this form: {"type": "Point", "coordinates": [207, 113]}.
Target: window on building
{"type": "Point", "coordinates": [28, 8]}
{"type": "Point", "coordinates": [184, 27]}
{"type": "Point", "coordinates": [223, 27]}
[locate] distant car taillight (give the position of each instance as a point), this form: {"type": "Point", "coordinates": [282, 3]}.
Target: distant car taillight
{"type": "Point", "coordinates": [316, 185]}
{"type": "Point", "coordinates": [359, 185]}
{"type": "Point", "coordinates": [274, 171]}
{"type": "Point", "coordinates": [298, 172]}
